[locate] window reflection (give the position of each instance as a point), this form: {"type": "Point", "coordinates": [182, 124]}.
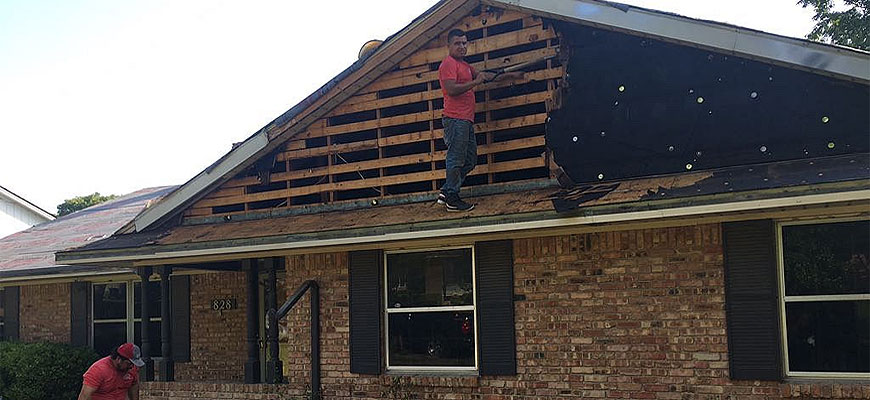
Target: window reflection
{"type": "Point", "coordinates": [429, 279]}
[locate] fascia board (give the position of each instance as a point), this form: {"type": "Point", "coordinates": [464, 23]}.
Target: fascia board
{"type": "Point", "coordinates": [26, 204]}
{"type": "Point", "coordinates": [833, 60]}
{"type": "Point", "coordinates": [201, 182]}
{"type": "Point", "coordinates": [636, 216]}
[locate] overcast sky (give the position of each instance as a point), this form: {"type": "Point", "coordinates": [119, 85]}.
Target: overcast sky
{"type": "Point", "coordinates": [112, 96]}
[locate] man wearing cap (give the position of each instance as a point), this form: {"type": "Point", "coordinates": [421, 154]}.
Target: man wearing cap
{"type": "Point", "coordinates": [114, 377]}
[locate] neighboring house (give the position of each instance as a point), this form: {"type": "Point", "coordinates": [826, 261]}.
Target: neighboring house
{"type": "Point", "coordinates": [668, 208]}
{"type": "Point", "coordinates": [31, 310]}
{"type": "Point", "coordinates": [16, 213]}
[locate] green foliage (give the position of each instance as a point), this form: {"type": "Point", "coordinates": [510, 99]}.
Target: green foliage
{"type": "Point", "coordinates": [42, 371]}
{"type": "Point", "coordinates": [74, 204]}
{"type": "Point", "coordinates": [849, 25]}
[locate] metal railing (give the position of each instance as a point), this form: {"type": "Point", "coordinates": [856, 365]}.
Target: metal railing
{"type": "Point", "coordinates": [274, 369]}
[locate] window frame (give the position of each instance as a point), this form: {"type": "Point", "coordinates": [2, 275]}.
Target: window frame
{"type": "Point", "coordinates": [783, 299]}
{"type": "Point", "coordinates": [386, 314]}
{"type": "Point", "coordinates": [130, 309]}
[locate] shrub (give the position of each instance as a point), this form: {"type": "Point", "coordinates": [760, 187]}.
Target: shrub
{"type": "Point", "coordinates": [42, 371]}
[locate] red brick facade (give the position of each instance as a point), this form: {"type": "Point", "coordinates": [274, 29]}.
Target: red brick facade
{"type": "Point", "coordinates": [632, 314]}
{"type": "Point", "coordinates": [217, 340]}
{"type": "Point", "coordinates": [44, 313]}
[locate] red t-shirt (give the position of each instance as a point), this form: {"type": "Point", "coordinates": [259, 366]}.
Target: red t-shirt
{"type": "Point", "coordinates": [111, 384]}
{"type": "Point", "coordinates": [462, 106]}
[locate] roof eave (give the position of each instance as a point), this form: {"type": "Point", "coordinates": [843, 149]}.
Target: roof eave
{"type": "Point", "coordinates": [838, 61]}
{"type": "Point", "coordinates": [510, 225]}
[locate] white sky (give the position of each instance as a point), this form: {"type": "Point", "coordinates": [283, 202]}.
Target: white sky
{"type": "Point", "coordinates": [113, 96]}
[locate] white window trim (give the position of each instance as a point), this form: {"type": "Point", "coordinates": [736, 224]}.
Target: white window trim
{"type": "Point", "coordinates": [386, 313]}
{"type": "Point", "coordinates": [130, 321]}
{"type": "Point", "coordinates": [783, 299]}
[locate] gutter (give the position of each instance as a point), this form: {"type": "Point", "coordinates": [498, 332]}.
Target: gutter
{"type": "Point", "coordinates": [843, 62]}
{"type": "Point", "coordinates": [29, 275]}
{"type": "Point", "coordinates": [490, 228]}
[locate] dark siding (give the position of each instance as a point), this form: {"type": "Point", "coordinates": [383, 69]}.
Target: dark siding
{"type": "Point", "coordinates": [80, 294]}
{"type": "Point", "coordinates": [751, 302]}
{"type": "Point", "coordinates": [180, 286]}
{"type": "Point", "coordinates": [11, 321]}
{"type": "Point", "coordinates": [495, 308]}
{"type": "Point", "coordinates": [364, 275]}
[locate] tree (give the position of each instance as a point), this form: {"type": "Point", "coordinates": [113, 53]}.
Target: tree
{"type": "Point", "coordinates": [74, 204]}
{"type": "Point", "coordinates": [850, 26]}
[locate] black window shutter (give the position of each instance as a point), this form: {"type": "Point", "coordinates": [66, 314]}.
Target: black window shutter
{"type": "Point", "coordinates": [364, 276]}
{"type": "Point", "coordinates": [180, 307]}
{"type": "Point", "coordinates": [79, 295]}
{"type": "Point", "coordinates": [751, 300]}
{"type": "Point", "coordinates": [495, 307]}
{"type": "Point", "coordinates": [11, 322]}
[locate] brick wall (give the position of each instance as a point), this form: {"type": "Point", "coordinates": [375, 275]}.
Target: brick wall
{"type": "Point", "coordinates": [634, 315]}
{"type": "Point", "coordinates": [44, 312]}
{"type": "Point", "coordinates": [217, 340]}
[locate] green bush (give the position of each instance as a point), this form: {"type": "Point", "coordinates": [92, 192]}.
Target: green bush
{"type": "Point", "coordinates": [42, 371]}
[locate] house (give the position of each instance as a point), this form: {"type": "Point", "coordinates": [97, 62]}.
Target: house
{"type": "Point", "coordinates": [33, 310]}
{"type": "Point", "coordinates": [667, 208]}
{"type": "Point", "coordinates": [16, 213]}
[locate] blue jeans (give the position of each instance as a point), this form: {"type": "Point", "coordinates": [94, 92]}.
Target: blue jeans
{"type": "Point", "coordinates": [461, 153]}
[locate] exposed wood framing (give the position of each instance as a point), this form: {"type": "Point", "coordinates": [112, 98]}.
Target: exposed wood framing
{"type": "Point", "coordinates": [387, 139]}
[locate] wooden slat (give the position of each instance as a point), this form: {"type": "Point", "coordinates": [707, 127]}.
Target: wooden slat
{"type": "Point", "coordinates": [442, 41]}
{"type": "Point", "coordinates": [331, 149]}
{"type": "Point", "coordinates": [487, 19]}
{"type": "Point", "coordinates": [515, 144]}
{"type": "Point", "coordinates": [320, 131]}
{"type": "Point", "coordinates": [527, 120]}
{"type": "Point", "coordinates": [371, 183]}
{"type": "Point", "coordinates": [492, 43]}
{"type": "Point", "coordinates": [421, 77]}
{"type": "Point", "coordinates": [230, 191]}
{"type": "Point", "coordinates": [413, 70]}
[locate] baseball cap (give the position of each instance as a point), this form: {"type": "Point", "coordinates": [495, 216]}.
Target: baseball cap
{"type": "Point", "coordinates": [131, 352]}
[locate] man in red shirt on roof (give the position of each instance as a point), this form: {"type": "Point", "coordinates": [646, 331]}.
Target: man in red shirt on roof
{"type": "Point", "coordinates": [114, 377]}
{"type": "Point", "coordinates": [458, 80]}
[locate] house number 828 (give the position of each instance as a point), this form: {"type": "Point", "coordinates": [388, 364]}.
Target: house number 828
{"type": "Point", "coordinates": [223, 304]}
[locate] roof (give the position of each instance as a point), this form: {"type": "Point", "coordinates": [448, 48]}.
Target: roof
{"type": "Point", "coordinates": [837, 61]}
{"type": "Point", "coordinates": [31, 252]}
{"type": "Point", "coordinates": [26, 204]}
{"type": "Point", "coordinates": [764, 187]}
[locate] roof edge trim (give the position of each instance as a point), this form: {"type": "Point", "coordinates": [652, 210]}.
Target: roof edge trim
{"type": "Point", "coordinates": [835, 60]}
{"type": "Point", "coordinates": [26, 204]}
{"type": "Point", "coordinates": [688, 211]}
{"type": "Point", "coordinates": [201, 182]}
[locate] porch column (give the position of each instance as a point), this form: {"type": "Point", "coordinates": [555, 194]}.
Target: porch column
{"type": "Point", "coordinates": [252, 365]}
{"type": "Point", "coordinates": [166, 366]}
{"type": "Point", "coordinates": [146, 373]}
{"type": "Point", "coordinates": [274, 369]}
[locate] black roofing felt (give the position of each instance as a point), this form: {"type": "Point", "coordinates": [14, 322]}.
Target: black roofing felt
{"type": "Point", "coordinates": [744, 178]}
{"type": "Point", "coordinates": [636, 106]}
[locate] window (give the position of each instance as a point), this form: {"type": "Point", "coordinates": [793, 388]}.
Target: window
{"type": "Point", "coordinates": [430, 310]}
{"type": "Point", "coordinates": [826, 298]}
{"type": "Point", "coordinates": [117, 317]}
